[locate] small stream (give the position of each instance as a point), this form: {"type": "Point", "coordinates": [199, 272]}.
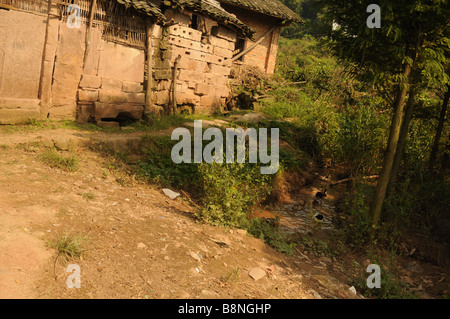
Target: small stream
{"type": "Point", "coordinates": [298, 217]}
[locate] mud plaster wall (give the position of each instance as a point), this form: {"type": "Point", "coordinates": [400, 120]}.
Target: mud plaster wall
{"type": "Point", "coordinates": [22, 38]}
{"type": "Point", "coordinates": [204, 67]}
{"type": "Point", "coordinates": [111, 82]}
{"type": "Point", "coordinates": [265, 54]}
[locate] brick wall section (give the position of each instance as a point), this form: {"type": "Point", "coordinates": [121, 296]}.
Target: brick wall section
{"type": "Point", "coordinates": [204, 67]}
{"type": "Point", "coordinates": [261, 24]}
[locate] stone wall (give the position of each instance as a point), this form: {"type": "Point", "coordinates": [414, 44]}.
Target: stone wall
{"type": "Point", "coordinates": [204, 66]}
{"type": "Point", "coordinates": [111, 83]}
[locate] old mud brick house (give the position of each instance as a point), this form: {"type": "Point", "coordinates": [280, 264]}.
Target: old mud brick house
{"type": "Point", "coordinates": [127, 57]}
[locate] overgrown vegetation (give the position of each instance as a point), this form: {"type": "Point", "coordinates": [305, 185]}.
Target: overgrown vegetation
{"type": "Point", "coordinates": [227, 193]}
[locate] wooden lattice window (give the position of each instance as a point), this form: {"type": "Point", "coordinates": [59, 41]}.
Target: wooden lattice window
{"type": "Point", "coordinates": [35, 6]}
{"type": "Point", "coordinates": [118, 23]}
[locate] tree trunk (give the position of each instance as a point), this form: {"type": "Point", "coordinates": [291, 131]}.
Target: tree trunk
{"type": "Point", "coordinates": [389, 155]}
{"type": "Point", "coordinates": [439, 130]}
{"type": "Point", "coordinates": [409, 109]}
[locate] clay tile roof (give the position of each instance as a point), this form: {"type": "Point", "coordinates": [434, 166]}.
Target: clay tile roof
{"type": "Point", "coordinates": [213, 9]}
{"type": "Point", "coordinates": [272, 8]}
{"type": "Point", "coordinates": [144, 6]}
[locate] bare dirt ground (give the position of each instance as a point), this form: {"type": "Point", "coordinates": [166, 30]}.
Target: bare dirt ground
{"type": "Point", "coordinates": [140, 243]}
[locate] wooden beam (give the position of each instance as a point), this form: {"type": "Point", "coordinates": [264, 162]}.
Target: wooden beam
{"type": "Point", "coordinates": [174, 86]}
{"type": "Point", "coordinates": [149, 56]}
{"type": "Point", "coordinates": [269, 50]}
{"type": "Point", "coordinates": [256, 43]}
{"type": "Point", "coordinates": [89, 31]}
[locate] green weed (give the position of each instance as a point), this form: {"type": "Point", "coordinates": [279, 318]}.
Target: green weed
{"type": "Point", "coordinates": [54, 159]}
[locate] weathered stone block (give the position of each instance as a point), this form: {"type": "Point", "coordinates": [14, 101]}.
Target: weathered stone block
{"type": "Point", "coordinates": [202, 89]}
{"type": "Point", "coordinates": [188, 98]}
{"type": "Point", "coordinates": [198, 55]}
{"type": "Point", "coordinates": [162, 97]}
{"type": "Point", "coordinates": [113, 96]}
{"type": "Point", "coordinates": [207, 101]}
{"type": "Point", "coordinates": [132, 87]}
{"type": "Point", "coordinates": [138, 98]}
{"type": "Point", "coordinates": [214, 59]}
{"type": "Point", "coordinates": [220, 70]}
{"type": "Point", "coordinates": [191, 84]}
{"type": "Point", "coordinates": [187, 64]}
{"type": "Point", "coordinates": [111, 84]}
{"type": "Point", "coordinates": [182, 87]}
{"type": "Point", "coordinates": [161, 64]}
{"type": "Point", "coordinates": [90, 82]}
{"type": "Point", "coordinates": [163, 85]}
{"type": "Point", "coordinates": [87, 96]}
{"type": "Point", "coordinates": [221, 52]}
{"type": "Point", "coordinates": [167, 55]}
{"type": "Point", "coordinates": [224, 33]}
{"type": "Point", "coordinates": [202, 67]}
{"type": "Point", "coordinates": [163, 74]}
{"type": "Point", "coordinates": [218, 42]}
{"type": "Point", "coordinates": [186, 32]}
{"type": "Point", "coordinates": [180, 42]}
{"type": "Point", "coordinates": [206, 48]}
{"type": "Point", "coordinates": [186, 75]}
{"type": "Point", "coordinates": [222, 91]}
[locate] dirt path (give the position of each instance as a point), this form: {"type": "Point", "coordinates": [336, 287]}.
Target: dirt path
{"type": "Point", "coordinates": [140, 243]}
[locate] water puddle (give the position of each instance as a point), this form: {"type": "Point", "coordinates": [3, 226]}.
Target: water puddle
{"type": "Point", "coordinates": [298, 217]}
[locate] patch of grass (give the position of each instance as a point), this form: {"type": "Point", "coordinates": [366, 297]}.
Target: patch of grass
{"type": "Point", "coordinates": [88, 196]}
{"type": "Point", "coordinates": [29, 146]}
{"type": "Point", "coordinates": [70, 247]}
{"type": "Point", "coordinates": [232, 276]}
{"type": "Point", "coordinates": [54, 159]}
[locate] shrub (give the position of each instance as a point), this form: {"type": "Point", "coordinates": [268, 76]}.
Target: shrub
{"type": "Point", "coordinates": [230, 192]}
{"type": "Point", "coordinates": [270, 233]}
{"type": "Point", "coordinates": [159, 168]}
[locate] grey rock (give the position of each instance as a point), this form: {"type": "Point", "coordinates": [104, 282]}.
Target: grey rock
{"type": "Point", "coordinates": [170, 193]}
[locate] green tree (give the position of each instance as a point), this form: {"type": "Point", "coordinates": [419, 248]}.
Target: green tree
{"type": "Point", "coordinates": [412, 40]}
{"type": "Point", "coordinates": [311, 12]}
